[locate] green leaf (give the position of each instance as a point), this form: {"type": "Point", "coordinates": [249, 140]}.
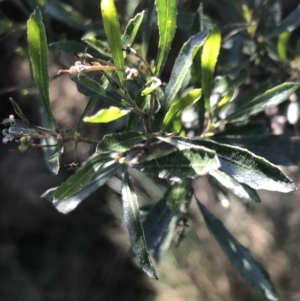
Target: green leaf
{"type": "Point", "coordinates": [104, 173]}
{"type": "Point", "coordinates": [38, 52]}
{"type": "Point", "coordinates": [242, 191]}
{"type": "Point", "coordinates": [112, 30]}
{"type": "Point", "coordinates": [268, 99]}
{"type": "Point", "coordinates": [91, 103]}
{"type": "Point", "coordinates": [120, 142]}
{"type": "Point", "coordinates": [177, 195]}
{"type": "Point", "coordinates": [239, 256]}
{"type": "Point", "coordinates": [191, 162]}
{"type": "Point", "coordinates": [245, 167]}
{"type": "Point", "coordinates": [67, 15]}
{"type": "Point", "coordinates": [180, 69]}
{"type": "Point", "coordinates": [131, 29]}
{"type": "Point", "coordinates": [282, 45]}
{"type": "Point", "coordinates": [225, 99]}
{"type": "Point", "coordinates": [142, 101]}
{"type": "Point", "coordinates": [54, 160]}
{"type": "Point", "coordinates": [179, 105]}
{"type": "Point", "coordinates": [290, 23]}
{"type": "Point", "coordinates": [166, 20]}
{"type": "Point", "coordinates": [151, 86]}
{"type": "Point", "coordinates": [209, 57]}
{"type": "Point", "coordinates": [91, 88]}
{"type": "Point", "coordinates": [278, 149]}
{"type": "Point", "coordinates": [106, 115]}
{"type": "Point", "coordinates": [133, 223]}
{"type": "Point", "coordinates": [80, 179]}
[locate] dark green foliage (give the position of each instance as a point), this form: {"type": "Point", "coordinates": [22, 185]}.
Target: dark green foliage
{"type": "Point", "coordinates": [225, 145]}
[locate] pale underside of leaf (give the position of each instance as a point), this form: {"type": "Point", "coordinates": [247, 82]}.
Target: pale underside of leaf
{"type": "Point", "coordinates": [186, 163]}
{"type": "Point", "coordinates": [244, 166]}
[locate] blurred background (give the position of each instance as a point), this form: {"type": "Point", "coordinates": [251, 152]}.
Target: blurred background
{"type": "Point", "coordinates": [197, 269]}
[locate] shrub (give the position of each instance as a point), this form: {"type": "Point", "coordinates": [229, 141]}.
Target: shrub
{"type": "Point", "coordinates": [199, 123]}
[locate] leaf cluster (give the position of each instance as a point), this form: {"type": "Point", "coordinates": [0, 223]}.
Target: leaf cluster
{"type": "Point", "coordinates": [217, 138]}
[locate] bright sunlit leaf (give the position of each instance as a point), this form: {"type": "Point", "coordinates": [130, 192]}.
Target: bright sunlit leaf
{"type": "Point", "coordinates": [282, 45]}
{"type": "Point", "coordinates": [209, 57]}
{"type": "Point", "coordinates": [112, 30]}
{"type": "Point", "coordinates": [106, 115]}
{"type": "Point", "coordinates": [38, 52]}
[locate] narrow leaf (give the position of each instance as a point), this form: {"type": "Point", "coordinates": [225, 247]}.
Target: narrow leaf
{"type": "Point", "coordinates": [246, 167]}
{"type": "Point", "coordinates": [120, 142]}
{"type": "Point", "coordinates": [278, 149]}
{"type": "Point", "coordinates": [93, 100]}
{"type": "Point", "coordinates": [106, 115]}
{"type": "Point", "coordinates": [105, 172]}
{"type": "Point", "coordinates": [91, 103]}
{"type": "Point", "coordinates": [133, 223]}
{"type": "Point", "coordinates": [38, 52]}
{"type": "Point", "coordinates": [142, 101]}
{"type": "Point", "coordinates": [282, 45]}
{"type": "Point", "coordinates": [131, 29]}
{"type": "Point", "coordinates": [225, 100]}
{"type": "Point", "coordinates": [178, 106]}
{"type": "Point", "coordinates": [166, 20]}
{"type": "Point", "coordinates": [268, 99]}
{"type": "Point", "coordinates": [181, 68]}
{"type": "Point", "coordinates": [209, 57]}
{"type": "Point", "coordinates": [80, 179]}
{"type": "Point", "coordinates": [181, 164]}
{"type": "Point", "coordinates": [112, 30]}
{"type": "Point", "coordinates": [239, 256]}
{"type": "Point", "coordinates": [242, 191]}
{"type": "Point", "coordinates": [91, 88]}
